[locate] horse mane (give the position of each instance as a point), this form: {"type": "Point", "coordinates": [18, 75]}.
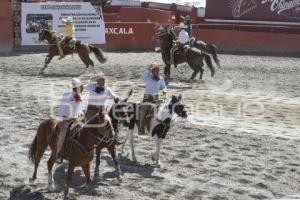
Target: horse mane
{"type": "Point", "coordinates": [75, 139]}
{"type": "Point", "coordinates": [171, 31]}
{"type": "Point", "coordinates": [50, 34]}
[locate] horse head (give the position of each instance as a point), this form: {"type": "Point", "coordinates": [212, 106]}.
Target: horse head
{"type": "Point", "coordinates": [118, 112]}
{"type": "Point", "coordinates": [166, 35]}
{"type": "Point", "coordinates": [44, 34]}
{"type": "Point", "coordinates": [177, 106]}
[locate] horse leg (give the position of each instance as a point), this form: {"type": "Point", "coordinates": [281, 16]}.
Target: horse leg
{"type": "Point", "coordinates": [112, 152]}
{"type": "Point", "coordinates": [69, 177]}
{"type": "Point", "coordinates": [86, 171]}
{"type": "Point", "coordinates": [46, 62]}
{"type": "Point", "coordinates": [98, 157]}
{"type": "Point", "coordinates": [131, 137]}
{"type": "Point", "coordinates": [85, 59]}
{"type": "Point", "coordinates": [167, 71]}
{"type": "Point", "coordinates": [196, 71]}
{"type": "Point", "coordinates": [50, 164]}
{"type": "Point", "coordinates": [92, 64]}
{"type": "Point", "coordinates": [39, 154]}
{"type": "Point", "coordinates": [201, 73]}
{"type": "Point", "coordinates": [155, 156]}
{"type": "Point", "coordinates": [125, 140]}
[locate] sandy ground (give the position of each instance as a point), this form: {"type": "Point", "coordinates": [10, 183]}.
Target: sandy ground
{"type": "Point", "coordinates": [240, 141]}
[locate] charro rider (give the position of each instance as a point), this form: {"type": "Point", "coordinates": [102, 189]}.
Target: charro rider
{"type": "Point", "coordinates": [99, 93]}
{"type": "Point", "coordinates": [183, 39]}
{"type": "Point", "coordinates": [187, 21]}
{"type": "Point", "coordinates": [153, 84]}
{"type": "Point", "coordinates": [69, 111]}
{"type": "Point", "coordinates": [68, 32]}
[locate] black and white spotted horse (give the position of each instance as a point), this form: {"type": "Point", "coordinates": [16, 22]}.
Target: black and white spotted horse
{"type": "Point", "coordinates": [159, 124]}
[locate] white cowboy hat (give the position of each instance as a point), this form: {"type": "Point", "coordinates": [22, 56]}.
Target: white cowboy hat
{"type": "Point", "coordinates": [68, 20]}
{"type": "Point", "coordinates": [97, 77]}
{"type": "Point", "coordinates": [182, 25]}
{"type": "Point", "coordinates": [75, 82]}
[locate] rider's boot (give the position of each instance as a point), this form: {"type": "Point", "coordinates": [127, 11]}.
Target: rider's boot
{"type": "Point", "coordinates": [60, 141]}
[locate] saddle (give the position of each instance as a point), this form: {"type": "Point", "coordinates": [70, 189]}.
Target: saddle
{"type": "Point", "coordinates": [70, 43]}
{"type": "Point", "coordinates": [182, 49]}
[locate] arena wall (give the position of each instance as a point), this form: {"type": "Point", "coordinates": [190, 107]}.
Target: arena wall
{"type": "Point", "coordinates": [7, 27]}
{"type": "Point", "coordinates": [247, 41]}
{"type": "Point", "coordinates": [131, 36]}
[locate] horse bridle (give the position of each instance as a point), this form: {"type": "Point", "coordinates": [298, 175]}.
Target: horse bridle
{"type": "Point", "coordinates": [50, 42]}
{"type": "Point", "coordinates": [101, 138]}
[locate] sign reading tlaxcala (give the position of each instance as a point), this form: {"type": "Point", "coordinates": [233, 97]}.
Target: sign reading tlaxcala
{"type": "Point", "coordinates": [255, 10]}
{"type": "Point", "coordinates": [118, 31]}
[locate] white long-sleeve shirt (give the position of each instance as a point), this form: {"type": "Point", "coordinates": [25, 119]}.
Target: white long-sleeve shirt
{"type": "Point", "coordinates": [69, 107]}
{"type": "Point", "coordinates": [183, 37]}
{"type": "Point", "coordinates": [97, 99]}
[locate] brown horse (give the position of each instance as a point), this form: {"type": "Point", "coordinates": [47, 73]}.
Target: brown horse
{"type": "Point", "coordinates": [193, 56]}
{"type": "Point", "coordinates": [79, 147]}
{"type": "Point", "coordinates": [81, 49]}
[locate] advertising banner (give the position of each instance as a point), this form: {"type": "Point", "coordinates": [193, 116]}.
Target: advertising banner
{"type": "Point", "coordinates": [256, 10]}
{"type": "Point", "coordinates": [88, 21]}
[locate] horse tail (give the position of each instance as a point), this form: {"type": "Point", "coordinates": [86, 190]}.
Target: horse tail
{"type": "Point", "coordinates": [32, 150]}
{"type": "Point", "coordinates": [211, 48]}
{"type": "Point", "coordinates": [209, 64]}
{"type": "Point", "coordinates": [98, 53]}
{"type": "Point", "coordinates": [42, 139]}
{"type": "Point", "coordinates": [128, 95]}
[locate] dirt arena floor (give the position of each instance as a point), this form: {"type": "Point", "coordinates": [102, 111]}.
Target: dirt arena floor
{"type": "Point", "coordinates": [240, 141]}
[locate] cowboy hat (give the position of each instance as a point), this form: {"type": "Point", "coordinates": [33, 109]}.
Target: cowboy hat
{"type": "Point", "coordinates": [97, 77]}
{"type": "Point", "coordinates": [182, 25]}
{"type": "Point", "coordinates": [75, 82]}
{"type": "Point", "coordinates": [153, 66]}
{"type": "Point", "coordinates": [68, 20]}
{"type": "Point", "coordinates": [187, 17]}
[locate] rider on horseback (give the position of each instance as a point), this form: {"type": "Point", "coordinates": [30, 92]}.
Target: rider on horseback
{"type": "Point", "coordinates": [69, 111]}
{"type": "Point", "coordinates": [68, 32]}
{"type": "Point", "coordinates": [153, 84]}
{"type": "Point", "coordinates": [183, 39]}
{"type": "Point", "coordinates": [187, 21]}
{"type": "Point", "coordinates": [99, 92]}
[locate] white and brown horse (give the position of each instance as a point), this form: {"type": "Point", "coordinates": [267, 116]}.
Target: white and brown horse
{"type": "Point", "coordinates": [159, 124]}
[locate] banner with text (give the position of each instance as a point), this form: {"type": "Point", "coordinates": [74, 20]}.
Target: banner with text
{"type": "Point", "coordinates": [256, 10]}
{"type": "Point", "coordinates": [88, 21]}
